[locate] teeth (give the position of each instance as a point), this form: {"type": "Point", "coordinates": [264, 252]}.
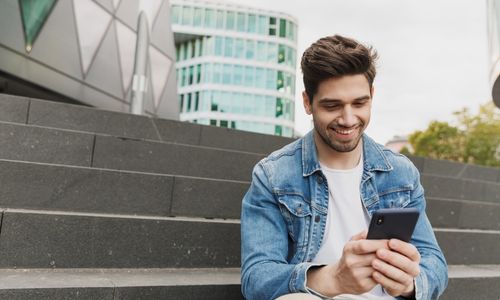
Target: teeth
{"type": "Point", "coordinates": [344, 131]}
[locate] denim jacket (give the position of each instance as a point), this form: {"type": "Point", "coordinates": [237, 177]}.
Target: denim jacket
{"type": "Point", "coordinates": [284, 215]}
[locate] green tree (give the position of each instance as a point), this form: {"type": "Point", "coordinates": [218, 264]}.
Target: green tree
{"type": "Point", "coordinates": [475, 139]}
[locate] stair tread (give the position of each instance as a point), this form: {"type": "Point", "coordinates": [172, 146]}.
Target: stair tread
{"type": "Point", "coordinates": [469, 271]}
{"type": "Point", "coordinates": [66, 278]}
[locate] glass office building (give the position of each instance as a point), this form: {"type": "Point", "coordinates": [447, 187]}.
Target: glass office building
{"type": "Point", "coordinates": [235, 66]}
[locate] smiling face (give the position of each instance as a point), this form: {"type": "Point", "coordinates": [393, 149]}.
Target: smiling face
{"type": "Point", "coordinates": [341, 110]}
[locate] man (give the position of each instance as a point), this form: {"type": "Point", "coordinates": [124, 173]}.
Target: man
{"type": "Point", "coordinates": [305, 216]}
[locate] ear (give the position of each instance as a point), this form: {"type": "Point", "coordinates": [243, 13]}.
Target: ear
{"type": "Point", "coordinates": [307, 103]}
{"type": "Point", "coordinates": [372, 91]}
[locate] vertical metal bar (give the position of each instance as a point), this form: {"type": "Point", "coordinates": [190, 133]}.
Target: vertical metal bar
{"type": "Point", "coordinates": [140, 80]}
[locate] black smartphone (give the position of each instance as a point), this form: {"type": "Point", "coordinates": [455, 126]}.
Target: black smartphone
{"type": "Point", "coordinates": [393, 223]}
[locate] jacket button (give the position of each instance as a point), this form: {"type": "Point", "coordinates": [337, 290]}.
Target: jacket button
{"type": "Point", "coordinates": [316, 219]}
{"type": "Point", "coordinates": [320, 179]}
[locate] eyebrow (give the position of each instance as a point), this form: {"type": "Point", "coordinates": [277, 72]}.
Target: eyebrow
{"type": "Point", "coordinates": [365, 97]}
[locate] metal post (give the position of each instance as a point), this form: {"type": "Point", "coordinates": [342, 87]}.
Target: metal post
{"type": "Point", "coordinates": [140, 81]}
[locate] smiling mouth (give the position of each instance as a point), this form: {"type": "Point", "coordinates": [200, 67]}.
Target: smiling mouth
{"type": "Point", "coordinates": [345, 131]}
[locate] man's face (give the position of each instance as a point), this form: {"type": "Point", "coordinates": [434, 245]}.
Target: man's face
{"type": "Point", "coordinates": [341, 111]}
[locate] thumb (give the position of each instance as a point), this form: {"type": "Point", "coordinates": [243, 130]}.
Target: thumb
{"type": "Point", "coordinates": [359, 236]}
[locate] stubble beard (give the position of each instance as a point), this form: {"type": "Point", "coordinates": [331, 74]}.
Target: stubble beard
{"type": "Point", "coordinates": [335, 144]}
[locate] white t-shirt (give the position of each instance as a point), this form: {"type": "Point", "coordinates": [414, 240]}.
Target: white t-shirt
{"type": "Point", "coordinates": [346, 217]}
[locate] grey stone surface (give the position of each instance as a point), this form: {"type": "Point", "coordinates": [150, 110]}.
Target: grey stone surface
{"type": "Point", "coordinates": [443, 187]}
{"type": "Point", "coordinates": [463, 214]}
{"type": "Point", "coordinates": [20, 142]}
{"type": "Point", "coordinates": [418, 161]}
{"type": "Point", "coordinates": [226, 138]}
{"type": "Point", "coordinates": [207, 198]}
{"type": "Point", "coordinates": [483, 288]}
{"type": "Point", "coordinates": [83, 190]}
{"type": "Point", "coordinates": [74, 117]}
{"type": "Point", "coordinates": [480, 173]}
{"type": "Point", "coordinates": [13, 109]}
{"type": "Point", "coordinates": [185, 292]}
{"type": "Point", "coordinates": [178, 132]}
{"type": "Point", "coordinates": [164, 158]}
{"type": "Point", "coordinates": [31, 240]}
{"type": "Point", "coordinates": [491, 192]}
{"type": "Point", "coordinates": [469, 247]}
{"type": "Point", "coordinates": [58, 294]}
{"type": "Point", "coordinates": [443, 167]}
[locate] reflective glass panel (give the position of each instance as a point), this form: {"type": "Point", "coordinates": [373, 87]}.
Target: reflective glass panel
{"type": "Point", "coordinates": [239, 50]}
{"type": "Point", "coordinates": [249, 76]}
{"type": "Point", "coordinates": [34, 14]}
{"type": "Point", "coordinates": [209, 18]}
{"type": "Point", "coordinates": [272, 53]}
{"type": "Point", "coordinates": [238, 75]}
{"type": "Point", "coordinates": [263, 24]}
{"type": "Point", "coordinates": [218, 45]}
{"type": "Point", "coordinates": [271, 79]}
{"type": "Point", "coordinates": [220, 19]}
{"type": "Point", "coordinates": [282, 28]}
{"type": "Point", "coordinates": [176, 14]}
{"type": "Point", "coordinates": [230, 20]}
{"type": "Point", "coordinates": [261, 51]}
{"type": "Point", "coordinates": [240, 22]}
{"type": "Point", "coordinates": [250, 53]}
{"type": "Point", "coordinates": [198, 16]}
{"type": "Point", "coordinates": [228, 47]}
{"type": "Point", "coordinates": [217, 73]}
{"type": "Point", "coordinates": [260, 75]}
{"type": "Point", "coordinates": [187, 12]}
{"type": "Point", "coordinates": [252, 23]}
{"type": "Point", "coordinates": [227, 74]}
{"type": "Point", "coordinates": [281, 54]}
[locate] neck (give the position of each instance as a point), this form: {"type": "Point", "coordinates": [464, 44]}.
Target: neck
{"type": "Point", "coordinates": [337, 160]}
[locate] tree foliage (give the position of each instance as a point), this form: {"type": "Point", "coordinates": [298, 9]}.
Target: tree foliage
{"type": "Point", "coordinates": [474, 139]}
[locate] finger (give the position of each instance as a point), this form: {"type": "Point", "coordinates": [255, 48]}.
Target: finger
{"type": "Point", "coordinates": [366, 246]}
{"type": "Point", "coordinates": [405, 249]}
{"type": "Point", "coordinates": [356, 261]}
{"type": "Point", "coordinates": [392, 272]}
{"type": "Point", "coordinates": [392, 287]}
{"type": "Point", "coordinates": [399, 261]}
{"type": "Point", "coordinates": [359, 236]}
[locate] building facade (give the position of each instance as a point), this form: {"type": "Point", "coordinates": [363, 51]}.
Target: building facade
{"type": "Point", "coordinates": [236, 66]}
{"type": "Point", "coordinates": [493, 13]}
{"type": "Point", "coordinates": [82, 51]}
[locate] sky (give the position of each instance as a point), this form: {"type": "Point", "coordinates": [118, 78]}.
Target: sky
{"type": "Point", "coordinates": [434, 57]}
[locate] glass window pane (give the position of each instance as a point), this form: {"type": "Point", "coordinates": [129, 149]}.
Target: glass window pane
{"type": "Point", "coordinates": [220, 19]}
{"type": "Point", "coordinates": [218, 46]}
{"type": "Point", "coordinates": [280, 81]}
{"type": "Point", "coordinates": [240, 21]}
{"type": "Point", "coordinates": [281, 54]}
{"type": "Point", "coordinates": [196, 101]}
{"type": "Point", "coordinates": [228, 47]}
{"type": "Point", "coordinates": [186, 15]}
{"type": "Point", "coordinates": [191, 73]}
{"type": "Point", "coordinates": [230, 20]}
{"type": "Point", "coordinates": [227, 74]}
{"type": "Point", "coordinates": [282, 28]}
{"type": "Point", "coordinates": [249, 76]}
{"type": "Point", "coordinates": [261, 51]}
{"type": "Point", "coordinates": [250, 49]}
{"type": "Point", "coordinates": [238, 75]}
{"type": "Point", "coordinates": [217, 73]}
{"type": "Point", "coordinates": [263, 25]}
{"type": "Point", "coordinates": [272, 26]}
{"type": "Point", "coordinates": [207, 73]}
{"type": "Point", "coordinates": [176, 14]}
{"type": "Point", "coordinates": [260, 78]}
{"type": "Point", "coordinates": [189, 102]}
{"type": "Point", "coordinates": [210, 18]}
{"type": "Point", "coordinates": [198, 73]}
{"type": "Point", "coordinates": [198, 16]}
{"type": "Point", "coordinates": [271, 79]}
{"type": "Point", "coordinates": [181, 104]}
{"type": "Point", "coordinates": [239, 50]}
{"type": "Point", "coordinates": [252, 23]}
{"type": "Point", "coordinates": [272, 53]}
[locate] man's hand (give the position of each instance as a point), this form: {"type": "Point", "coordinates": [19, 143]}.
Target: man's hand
{"type": "Point", "coordinates": [353, 274]}
{"type": "Point", "coordinates": [396, 267]}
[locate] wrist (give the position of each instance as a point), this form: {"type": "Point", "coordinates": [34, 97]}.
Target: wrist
{"type": "Point", "coordinates": [321, 279]}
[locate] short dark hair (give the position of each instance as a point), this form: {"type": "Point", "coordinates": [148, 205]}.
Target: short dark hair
{"type": "Point", "coordinates": [336, 56]}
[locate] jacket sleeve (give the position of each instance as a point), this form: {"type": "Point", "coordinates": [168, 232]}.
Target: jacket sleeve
{"type": "Point", "coordinates": [433, 277]}
{"type": "Point", "coordinates": [265, 271]}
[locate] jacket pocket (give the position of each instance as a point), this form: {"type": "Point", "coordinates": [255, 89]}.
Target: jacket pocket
{"type": "Point", "coordinates": [297, 214]}
{"type": "Point", "coordinates": [395, 199]}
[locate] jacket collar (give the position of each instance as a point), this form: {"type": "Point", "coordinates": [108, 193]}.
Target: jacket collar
{"type": "Point", "coordinates": [374, 157]}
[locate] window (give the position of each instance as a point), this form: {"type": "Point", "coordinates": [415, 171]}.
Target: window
{"type": "Point", "coordinates": [176, 14]}
{"type": "Point", "coordinates": [282, 28]}
{"type": "Point", "coordinates": [217, 73]}
{"type": "Point", "coordinates": [192, 48]}
{"type": "Point", "coordinates": [260, 75]}
{"type": "Point", "coordinates": [228, 47]}
{"type": "Point", "coordinates": [196, 100]}
{"type": "Point", "coordinates": [240, 22]}
{"type": "Point", "coordinates": [223, 123]}
{"type": "Point", "coordinates": [198, 73]}
{"type": "Point", "coordinates": [281, 54]}
{"type": "Point", "coordinates": [249, 76]}
{"type": "Point", "coordinates": [272, 26]}
{"type": "Point", "coordinates": [220, 19]}
{"type": "Point", "coordinates": [189, 102]}
{"type": "Point", "coordinates": [263, 25]}
{"type": "Point", "coordinates": [252, 23]}
{"type": "Point", "coordinates": [239, 50]}
{"type": "Point", "coordinates": [271, 79]}
{"type": "Point", "coordinates": [187, 13]}
{"type": "Point", "coordinates": [182, 103]}
{"type": "Point", "coordinates": [213, 122]}
{"type": "Point", "coordinates": [238, 75]}
{"type": "Point", "coordinates": [227, 74]}
{"type": "Point", "coordinates": [191, 71]}
{"type": "Point", "coordinates": [210, 18]}
{"type": "Point", "coordinates": [250, 53]}
{"type": "Point", "coordinates": [279, 107]}
{"type": "Point", "coordinates": [184, 77]}
{"type": "Point", "coordinates": [207, 73]}
{"type": "Point", "coordinates": [280, 81]}
{"type": "Point", "coordinates": [230, 20]}
{"type": "Point", "coordinates": [218, 46]}
{"type": "Point", "coordinates": [261, 51]}
{"type": "Point", "coordinates": [278, 130]}
{"type": "Point", "coordinates": [272, 52]}
{"type": "Point", "coordinates": [198, 16]}
{"type": "Point", "coordinates": [200, 47]}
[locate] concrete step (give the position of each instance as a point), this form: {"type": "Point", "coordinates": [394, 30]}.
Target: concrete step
{"type": "Point", "coordinates": [463, 189]}
{"type": "Point", "coordinates": [114, 284]}
{"type": "Point", "coordinates": [80, 118]}
{"type": "Point", "coordinates": [82, 189]}
{"type": "Point", "coordinates": [463, 214]}
{"type": "Point", "coordinates": [445, 168]}
{"type": "Point", "coordinates": [469, 246]}
{"type": "Point", "coordinates": [45, 145]}
{"type": "Point", "coordinates": [42, 239]}
{"type": "Point", "coordinates": [478, 282]}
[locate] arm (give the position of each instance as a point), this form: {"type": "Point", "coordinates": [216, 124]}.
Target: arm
{"type": "Point", "coordinates": [266, 273]}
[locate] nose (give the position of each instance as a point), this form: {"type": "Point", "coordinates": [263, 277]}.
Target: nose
{"type": "Point", "coordinates": [347, 119]}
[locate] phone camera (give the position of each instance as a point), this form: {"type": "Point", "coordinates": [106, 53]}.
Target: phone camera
{"type": "Point", "coordinates": [380, 220]}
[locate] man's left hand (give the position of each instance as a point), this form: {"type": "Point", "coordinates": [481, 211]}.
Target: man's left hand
{"type": "Point", "coordinates": [395, 269]}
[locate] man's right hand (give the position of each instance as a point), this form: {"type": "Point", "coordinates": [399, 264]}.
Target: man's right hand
{"type": "Point", "coordinates": [352, 274]}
